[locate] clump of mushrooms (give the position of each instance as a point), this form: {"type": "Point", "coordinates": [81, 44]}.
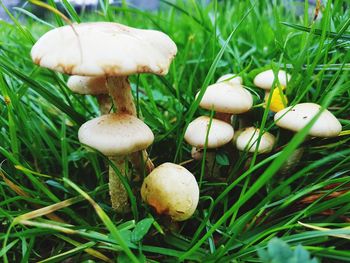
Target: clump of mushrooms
{"type": "Point", "coordinates": [171, 190]}
{"type": "Point", "coordinates": [110, 50]}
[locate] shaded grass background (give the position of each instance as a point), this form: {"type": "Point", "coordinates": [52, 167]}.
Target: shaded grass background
{"type": "Point", "coordinates": [44, 161]}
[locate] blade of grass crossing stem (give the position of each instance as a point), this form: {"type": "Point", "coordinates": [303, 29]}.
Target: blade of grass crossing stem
{"type": "Point", "coordinates": [268, 174]}
{"type": "Point", "coordinates": [205, 84]}
{"type": "Point", "coordinates": [106, 220]}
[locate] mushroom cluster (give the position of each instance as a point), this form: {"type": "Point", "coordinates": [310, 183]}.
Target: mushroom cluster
{"type": "Point", "coordinates": [226, 97]}
{"type": "Point", "coordinates": [105, 54]}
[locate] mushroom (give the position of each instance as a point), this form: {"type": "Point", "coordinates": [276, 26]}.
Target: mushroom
{"type": "Point", "coordinates": [247, 140]}
{"type": "Point", "coordinates": [220, 133]}
{"type": "Point", "coordinates": [265, 80]}
{"type": "Point", "coordinates": [171, 190]}
{"type": "Point", "coordinates": [226, 99]}
{"type": "Point", "coordinates": [296, 117]}
{"type": "Point", "coordinates": [116, 135]}
{"type": "Point", "coordinates": [108, 50]}
{"type": "Point", "coordinates": [230, 78]}
{"type": "Point", "coordinates": [95, 86]}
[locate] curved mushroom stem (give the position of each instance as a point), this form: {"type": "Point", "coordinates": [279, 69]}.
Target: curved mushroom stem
{"type": "Point", "coordinates": [104, 102]}
{"type": "Point", "coordinates": [120, 91]}
{"type": "Point", "coordinates": [118, 194]}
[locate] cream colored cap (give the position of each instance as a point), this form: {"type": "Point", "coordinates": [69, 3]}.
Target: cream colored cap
{"type": "Point", "coordinates": [265, 79]}
{"type": "Point", "coordinates": [172, 190]}
{"type": "Point", "coordinates": [231, 79]}
{"type": "Point", "coordinates": [116, 134]}
{"type": "Point", "coordinates": [87, 85]}
{"type": "Point", "coordinates": [247, 139]}
{"type": "Point", "coordinates": [220, 132]}
{"type": "Point", "coordinates": [226, 98]}
{"type": "Point", "coordinates": [296, 117]}
{"type": "Point", "coordinates": [104, 49]}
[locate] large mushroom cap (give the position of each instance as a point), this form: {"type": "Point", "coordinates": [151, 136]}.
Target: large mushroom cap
{"type": "Point", "coordinates": [296, 117]}
{"type": "Point", "coordinates": [231, 79]}
{"type": "Point", "coordinates": [220, 132]}
{"type": "Point", "coordinates": [266, 78]}
{"type": "Point", "coordinates": [104, 49]}
{"type": "Point", "coordinates": [247, 139]}
{"type": "Point", "coordinates": [116, 134]}
{"type": "Point", "coordinates": [87, 85]}
{"type": "Point", "coordinates": [172, 190]}
{"type": "Point", "coordinates": [226, 98]}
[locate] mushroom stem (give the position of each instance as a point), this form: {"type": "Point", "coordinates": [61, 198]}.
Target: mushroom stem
{"type": "Point", "coordinates": [120, 91]}
{"type": "Point", "coordinates": [226, 117]}
{"type": "Point", "coordinates": [119, 196]}
{"type": "Point", "coordinates": [104, 103]}
{"type": "Point", "coordinates": [213, 168]}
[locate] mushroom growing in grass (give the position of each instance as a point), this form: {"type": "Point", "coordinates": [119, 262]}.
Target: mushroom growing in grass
{"type": "Point", "coordinates": [171, 190]}
{"type": "Point", "coordinates": [296, 117]}
{"type": "Point", "coordinates": [95, 86]}
{"type": "Point", "coordinates": [226, 99]}
{"type": "Point", "coordinates": [116, 135]}
{"type": "Point", "coordinates": [247, 140]}
{"type": "Point", "coordinates": [104, 49]}
{"type": "Point", "coordinates": [265, 80]}
{"type": "Point", "coordinates": [220, 133]}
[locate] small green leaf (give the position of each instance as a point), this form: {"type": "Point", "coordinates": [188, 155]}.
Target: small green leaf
{"type": "Point", "coordinates": [222, 159]}
{"type": "Point", "coordinates": [141, 229]}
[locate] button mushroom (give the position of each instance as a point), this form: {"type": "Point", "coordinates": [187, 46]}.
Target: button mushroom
{"type": "Point", "coordinates": [247, 140]}
{"type": "Point", "coordinates": [171, 190]}
{"type": "Point", "coordinates": [220, 133]}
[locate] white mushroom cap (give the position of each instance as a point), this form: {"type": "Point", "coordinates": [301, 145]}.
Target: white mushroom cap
{"type": "Point", "coordinates": [266, 78]}
{"type": "Point", "coordinates": [231, 79]}
{"type": "Point", "coordinates": [172, 190]}
{"type": "Point", "coordinates": [296, 117]}
{"type": "Point", "coordinates": [116, 134]}
{"type": "Point", "coordinates": [226, 98]}
{"type": "Point", "coordinates": [247, 139]}
{"type": "Point", "coordinates": [104, 49]}
{"type": "Point", "coordinates": [88, 85]}
{"type": "Point", "coordinates": [220, 132]}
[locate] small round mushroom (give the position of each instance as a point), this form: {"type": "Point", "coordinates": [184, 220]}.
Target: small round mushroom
{"type": "Point", "coordinates": [220, 133]}
{"type": "Point", "coordinates": [230, 78]}
{"type": "Point", "coordinates": [116, 135]}
{"type": "Point", "coordinates": [95, 86]}
{"type": "Point", "coordinates": [265, 80]}
{"type": "Point", "coordinates": [247, 140]}
{"type": "Point", "coordinates": [226, 99]}
{"type": "Point", "coordinates": [171, 190]}
{"type": "Point", "coordinates": [296, 117]}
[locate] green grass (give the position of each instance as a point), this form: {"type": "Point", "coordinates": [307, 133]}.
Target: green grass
{"type": "Point", "coordinates": [54, 202]}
